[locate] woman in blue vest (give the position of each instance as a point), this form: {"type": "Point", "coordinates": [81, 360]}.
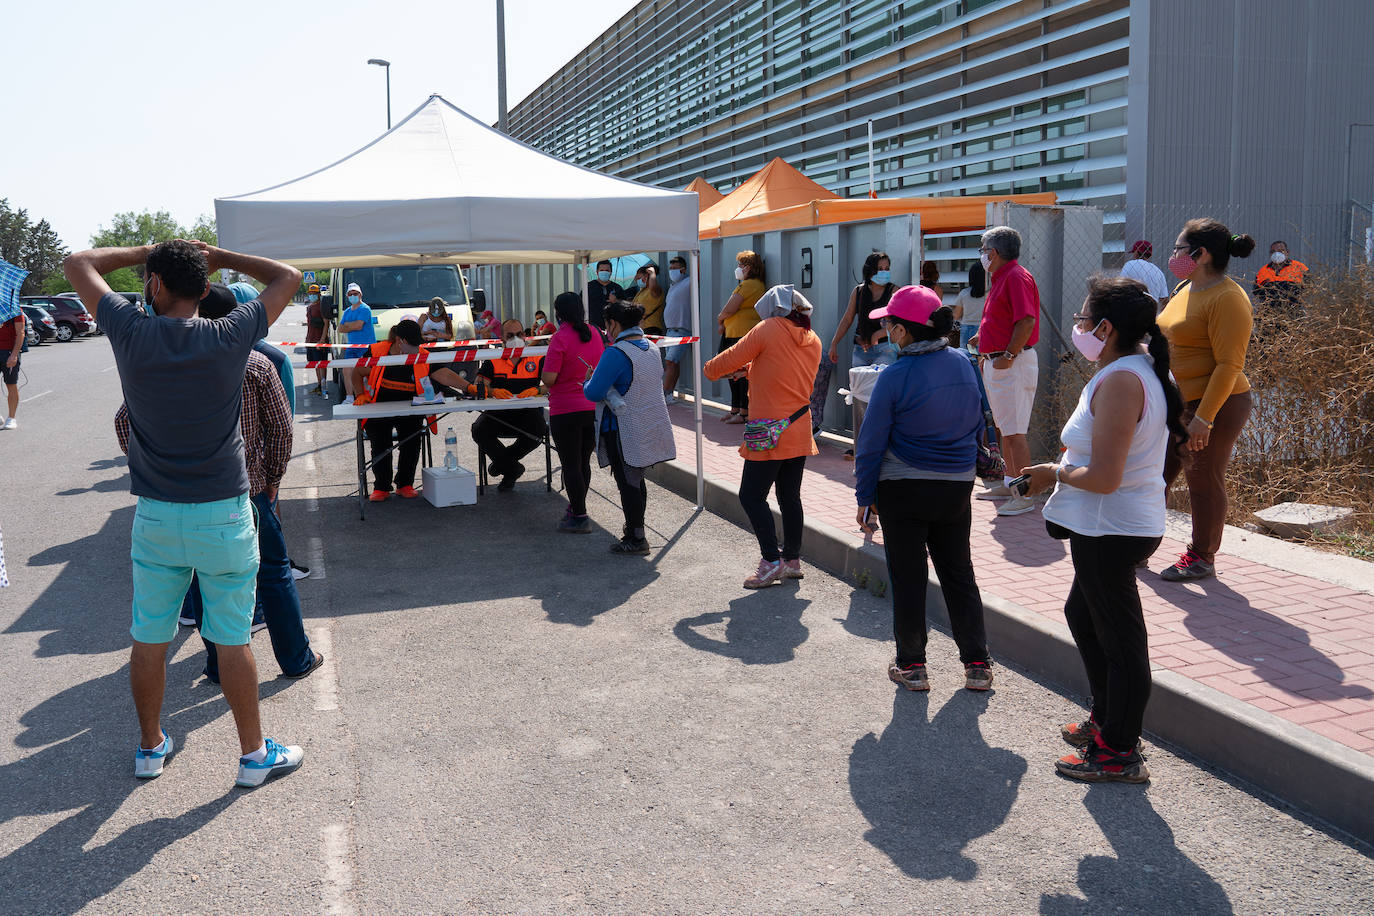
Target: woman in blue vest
{"type": "Point", "coordinates": [632, 418]}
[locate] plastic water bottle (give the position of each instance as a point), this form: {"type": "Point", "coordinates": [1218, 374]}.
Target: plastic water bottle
{"type": "Point", "coordinates": [428, 387]}
{"type": "Point", "coordinates": [450, 443]}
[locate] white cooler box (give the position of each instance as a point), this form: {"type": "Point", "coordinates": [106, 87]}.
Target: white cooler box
{"type": "Point", "coordinates": [449, 488]}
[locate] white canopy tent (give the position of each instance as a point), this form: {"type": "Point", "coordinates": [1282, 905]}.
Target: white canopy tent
{"type": "Point", "coordinates": [442, 187]}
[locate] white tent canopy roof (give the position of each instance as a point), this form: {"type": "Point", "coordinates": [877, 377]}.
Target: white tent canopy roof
{"type": "Point", "coordinates": [442, 187]}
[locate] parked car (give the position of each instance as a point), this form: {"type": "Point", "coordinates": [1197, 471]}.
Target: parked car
{"type": "Point", "coordinates": [38, 321]}
{"type": "Point", "coordinates": [69, 313]}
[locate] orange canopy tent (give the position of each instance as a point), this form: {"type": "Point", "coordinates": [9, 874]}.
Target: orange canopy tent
{"type": "Point", "coordinates": [776, 186]}
{"type": "Point", "coordinates": [938, 214]}
{"type": "Point", "coordinates": [706, 194]}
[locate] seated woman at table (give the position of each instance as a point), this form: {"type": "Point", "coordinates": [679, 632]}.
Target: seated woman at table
{"type": "Point", "coordinates": [438, 324]}
{"type": "Point", "coordinates": [509, 378]}
{"type": "Point", "coordinates": [395, 383]}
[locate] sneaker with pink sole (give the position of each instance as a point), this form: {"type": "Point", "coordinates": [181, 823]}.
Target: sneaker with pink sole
{"type": "Point", "coordinates": [768, 573]}
{"type": "Point", "coordinates": [792, 569]}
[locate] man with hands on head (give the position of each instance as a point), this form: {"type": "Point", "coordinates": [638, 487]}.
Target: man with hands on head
{"type": "Point", "coordinates": [182, 379]}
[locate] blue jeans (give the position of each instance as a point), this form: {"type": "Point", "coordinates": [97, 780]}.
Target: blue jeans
{"type": "Point", "coordinates": [965, 332]}
{"type": "Point", "coordinates": [277, 601]}
{"type": "Point", "coordinates": [883, 354]}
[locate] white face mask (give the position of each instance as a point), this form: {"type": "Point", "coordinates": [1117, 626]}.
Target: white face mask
{"type": "Point", "coordinates": [1278, 257]}
{"type": "Point", "coordinates": [1088, 343]}
{"type": "Point", "coordinates": [515, 342]}
{"type": "Point", "coordinates": [674, 274]}
{"type": "Point", "coordinates": [986, 260]}
{"type": "Point", "coordinates": [739, 273]}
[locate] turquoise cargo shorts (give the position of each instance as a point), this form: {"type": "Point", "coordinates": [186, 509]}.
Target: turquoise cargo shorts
{"type": "Point", "coordinates": [216, 540]}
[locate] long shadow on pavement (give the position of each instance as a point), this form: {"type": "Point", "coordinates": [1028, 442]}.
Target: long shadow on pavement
{"type": "Point", "coordinates": [85, 768]}
{"type": "Point", "coordinates": [1224, 619]}
{"type": "Point", "coordinates": [761, 628]}
{"type": "Point", "coordinates": [1149, 874]}
{"type": "Point", "coordinates": [929, 788]}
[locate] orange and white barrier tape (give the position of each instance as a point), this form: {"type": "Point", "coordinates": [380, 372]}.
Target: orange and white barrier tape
{"type": "Point", "coordinates": [466, 355]}
{"type": "Point", "coordinates": [344, 346]}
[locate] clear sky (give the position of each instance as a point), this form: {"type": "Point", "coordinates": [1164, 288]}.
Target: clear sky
{"type": "Point", "coordinates": [108, 107]}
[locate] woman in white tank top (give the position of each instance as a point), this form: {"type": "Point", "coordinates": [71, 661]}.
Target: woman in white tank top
{"type": "Point", "coordinates": [437, 325]}
{"type": "Point", "coordinates": [1108, 502]}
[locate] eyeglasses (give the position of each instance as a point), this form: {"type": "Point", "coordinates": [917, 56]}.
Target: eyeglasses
{"type": "Point", "coordinates": [986, 250]}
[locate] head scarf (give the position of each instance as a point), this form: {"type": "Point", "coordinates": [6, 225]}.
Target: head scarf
{"type": "Point", "coordinates": [244, 292]}
{"type": "Point", "coordinates": [781, 301]}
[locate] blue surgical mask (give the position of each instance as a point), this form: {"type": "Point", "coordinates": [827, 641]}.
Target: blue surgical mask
{"type": "Point", "coordinates": [312, 298]}
{"type": "Point", "coordinates": [674, 274]}
{"type": "Point", "coordinates": [354, 298]}
{"type": "Point", "coordinates": [604, 276]}
{"type": "Point", "coordinates": [883, 277]}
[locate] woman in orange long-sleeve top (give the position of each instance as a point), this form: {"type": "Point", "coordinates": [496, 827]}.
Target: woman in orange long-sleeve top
{"type": "Point", "coordinates": [1208, 324]}
{"type": "Point", "coordinates": [781, 354]}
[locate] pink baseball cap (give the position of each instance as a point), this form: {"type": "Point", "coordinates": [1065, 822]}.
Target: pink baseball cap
{"type": "Point", "coordinates": [910, 303]}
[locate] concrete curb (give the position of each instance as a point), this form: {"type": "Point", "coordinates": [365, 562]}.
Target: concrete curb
{"type": "Point", "coordinates": [1308, 770]}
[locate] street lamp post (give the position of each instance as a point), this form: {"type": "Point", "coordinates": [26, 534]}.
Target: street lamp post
{"type": "Point", "coordinates": [378, 62]}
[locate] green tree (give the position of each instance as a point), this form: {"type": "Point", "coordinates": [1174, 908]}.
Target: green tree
{"type": "Point", "coordinates": [130, 229]}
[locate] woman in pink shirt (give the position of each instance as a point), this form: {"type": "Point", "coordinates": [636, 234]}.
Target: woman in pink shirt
{"type": "Point", "coordinates": [573, 353]}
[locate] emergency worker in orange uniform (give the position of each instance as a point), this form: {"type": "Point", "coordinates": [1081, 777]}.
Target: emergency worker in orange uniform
{"type": "Point", "coordinates": [395, 383]}
{"type": "Point", "coordinates": [509, 378]}
{"type": "Point", "coordinates": [1278, 285]}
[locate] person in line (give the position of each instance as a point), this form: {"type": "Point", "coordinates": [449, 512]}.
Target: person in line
{"type": "Point", "coordinates": [395, 383]}
{"type": "Point", "coordinates": [1139, 268]}
{"type": "Point", "coordinates": [871, 346]}
{"type": "Point", "coordinates": [1208, 323]}
{"type": "Point", "coordinates": [1278, 285]}
{"type": "Point", "coordinates": [12, 333]}
{"type": "Point", "coordinates": [509, 378]}
{"type": "Point", "coordinates": [574, 351]}
{"type": "Point", "coordinates": [438, 324]}
{"type": "Point", "coordinates": [316, 332]}
{"type": "Point", "coordinates": [780, 356]}
{"type": "Point", "coordinates": [221, 299]}
{"type": "Point", "coordinates": [734, 321]}
{"type": "Point", "coordinates": [650, 297]}
{"type": "Point", "coordinates": [1108, 501]}
{"type": "Point", "coordinates": [914, 467]}
{"type": "Point", "coordinates": [356, 325]}
{"type": "Point", "coordinates": [601, 291]}
{"type": "Point", "coordinates": [1006, 343]}
{"type": "Point", "coordinates": [677, 318]}
{"type": "Point", "coordinates": [266, 428]}
{"type": "Point", "coordinates": [968, 305]}
{"type": "Point", "coordinates": [541, 326]}
{"type": "Point", "coordinates": [635, 432]}
{"type": "Point", "coordinates": [182, 380]}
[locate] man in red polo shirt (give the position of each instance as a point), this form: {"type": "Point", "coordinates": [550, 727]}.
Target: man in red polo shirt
{"type": "Point", "coordinates": [1006, 342]}
{"type": "Point", "coordinates": [11, 342]}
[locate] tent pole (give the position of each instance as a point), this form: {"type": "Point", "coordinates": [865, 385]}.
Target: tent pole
{"type": "Point", "coordinates": [582, 258]}
{"type": "Point", "coordinates": [696, 373]}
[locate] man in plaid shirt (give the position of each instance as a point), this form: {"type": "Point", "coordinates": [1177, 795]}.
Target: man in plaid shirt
{"type": "Point", "coordinates": [267, 437]}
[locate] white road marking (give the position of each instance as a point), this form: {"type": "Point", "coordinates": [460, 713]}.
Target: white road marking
{"type": "Point", "coordinates": [326, 686]}
{"type": "Point", "coordinates": [107, 369]}
{"type": "Point", "coordinates": [316, 553]}
{"type": "Point", "coordinates": [312, 499]}
{"type": "Point", "coordinates": [35, 397]}
{"type": "Point", "coordinates": [338, 874]}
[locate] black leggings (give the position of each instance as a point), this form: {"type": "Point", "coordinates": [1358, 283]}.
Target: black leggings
{"type": "Point", "coordinates": [739, 388]}
{"type": "Point", "coordinates": [935, 516]}
{"type": "Point", "coordinates": [1108, 625]}
{"type": "Point", "coordinates": [633, 500]}
{"type": "Point", "coordinates": [574, 438]}
{"type": "Point", "coordinates": [784, 477]}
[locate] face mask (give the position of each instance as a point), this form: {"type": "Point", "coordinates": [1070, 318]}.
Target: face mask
{"type": "Point", "coordinates": [986, 260]}
{"type": "Point", "coordinates": [354, 298]}
{"type": "Point", "coordinates": [1088, 342]}
{"type": "Point", "coordinates": [1182, 266]}
{"type": "Point", "coordinates": [739, 273]}
{"type": "Point", "coordinates": [604, 276]}
{"type": "Point", "coordinates": [312, 298]}
{"type": "Point", "coordinates": [514, 342]}
{"type": "Point", "coordinates": [674, 274]}
{"type": "Point", "coordinates": [883, 276]}
{"type": "Point", "coordinates": [1278, 257]}
{"type": "Point", "coordinates": [148, 298]}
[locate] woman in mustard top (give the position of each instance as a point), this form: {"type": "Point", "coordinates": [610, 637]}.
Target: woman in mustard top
{"type": "Point", "coordinates": [736, 319]}
{"type": "Point", "coordinates": [1208, 324]}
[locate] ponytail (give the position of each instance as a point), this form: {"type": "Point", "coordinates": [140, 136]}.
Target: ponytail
{"type": "Point", "coordinates": [567, 308]}
{"type": "Point", "coordinates": [1173, 399]}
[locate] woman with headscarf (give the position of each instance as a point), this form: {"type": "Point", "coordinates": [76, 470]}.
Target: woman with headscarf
{"type": "Point", "coordinates": [635, 432]}
{"type": "Point", "coordinates": [779, 356]}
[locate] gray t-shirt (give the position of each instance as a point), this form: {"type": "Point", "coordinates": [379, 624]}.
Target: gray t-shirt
{"type": "Point", "coordinates": [183, 383]}
{"type": "Point", "coordinates": [678, 312]}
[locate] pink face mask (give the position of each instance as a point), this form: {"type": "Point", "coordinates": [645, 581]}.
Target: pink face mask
{"type": "Point", "coordinates": [1182, 266]}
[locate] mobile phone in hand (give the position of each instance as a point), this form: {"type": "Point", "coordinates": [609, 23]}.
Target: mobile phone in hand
{"type": "Point", "coordinates": [1020, 485]}
{"type": "Point", "coordinates": [870, 521]}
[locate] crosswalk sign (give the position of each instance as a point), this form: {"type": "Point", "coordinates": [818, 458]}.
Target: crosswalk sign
{"type": "Point", "coordinates": [309, 276]}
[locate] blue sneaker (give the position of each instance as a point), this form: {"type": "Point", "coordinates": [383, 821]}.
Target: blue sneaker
{"type": "Point", "coordinates": [280, 760]}
{"type": "Point", "coordinates": [148, 764]}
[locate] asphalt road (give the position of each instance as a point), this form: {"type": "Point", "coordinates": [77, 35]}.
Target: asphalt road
{"type": "Point", "coordinates": [512, 720]}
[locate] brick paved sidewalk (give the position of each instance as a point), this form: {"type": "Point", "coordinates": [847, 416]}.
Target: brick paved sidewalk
{"type": "Point", "coordinates": [1292, 645]}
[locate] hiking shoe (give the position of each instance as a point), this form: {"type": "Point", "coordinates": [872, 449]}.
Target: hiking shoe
{"type": "Point", "coordinates": [978, 675]}
{"type": "Point", "coordinates": [509, 478]}
{"type": "Point", "coordinates": [1080, 734]}
{"type": "Point", "coordinates": [379, 496]}
{"type": "Point", "coordinates": [280, 760]}
{"type": "Point", "coordinates": [148, 764]}
{"type": "Point", "coordinates": [792, 569]}
{"type": "Point", "coordinates": [319, 660]}
{"type": "Point", "coordinates": [631, 547]}
{"type": "Point", "coordinates": [575, 524]}
{"type": "Point", "coordinates": [407, 492]}
{"type": "Point", "coordinates": [912, 677]}
{"type": "Point", "coordinates": [1001, 491]}
{"type": "Point", "coordinates": [1099, 763]}
{"type": "Point", "coordinates": [1190, 566]}
{"type": "Point", "coordinates": [1017, 505]}
{"type": "Point", "coordinates": [299, 572]}
{"type": "Point", "coordinates": [769, 571]}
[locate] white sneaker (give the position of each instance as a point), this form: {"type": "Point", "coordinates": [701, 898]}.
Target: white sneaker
{"type": "Point", "coordinates": [1017, 505]}
{"type": "Point", "coordinates": [1001, 491]}
{"type": "Point", "coordinates": [280, 760]}
{"type": "Point", "coordinates": [11, 423]}
{"type": "Point", "coordinates": [148, 764]}
{"type": "Point", "coordinates": [348, 400]}
{"type": "Point", "coordinates": [299, 572]}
